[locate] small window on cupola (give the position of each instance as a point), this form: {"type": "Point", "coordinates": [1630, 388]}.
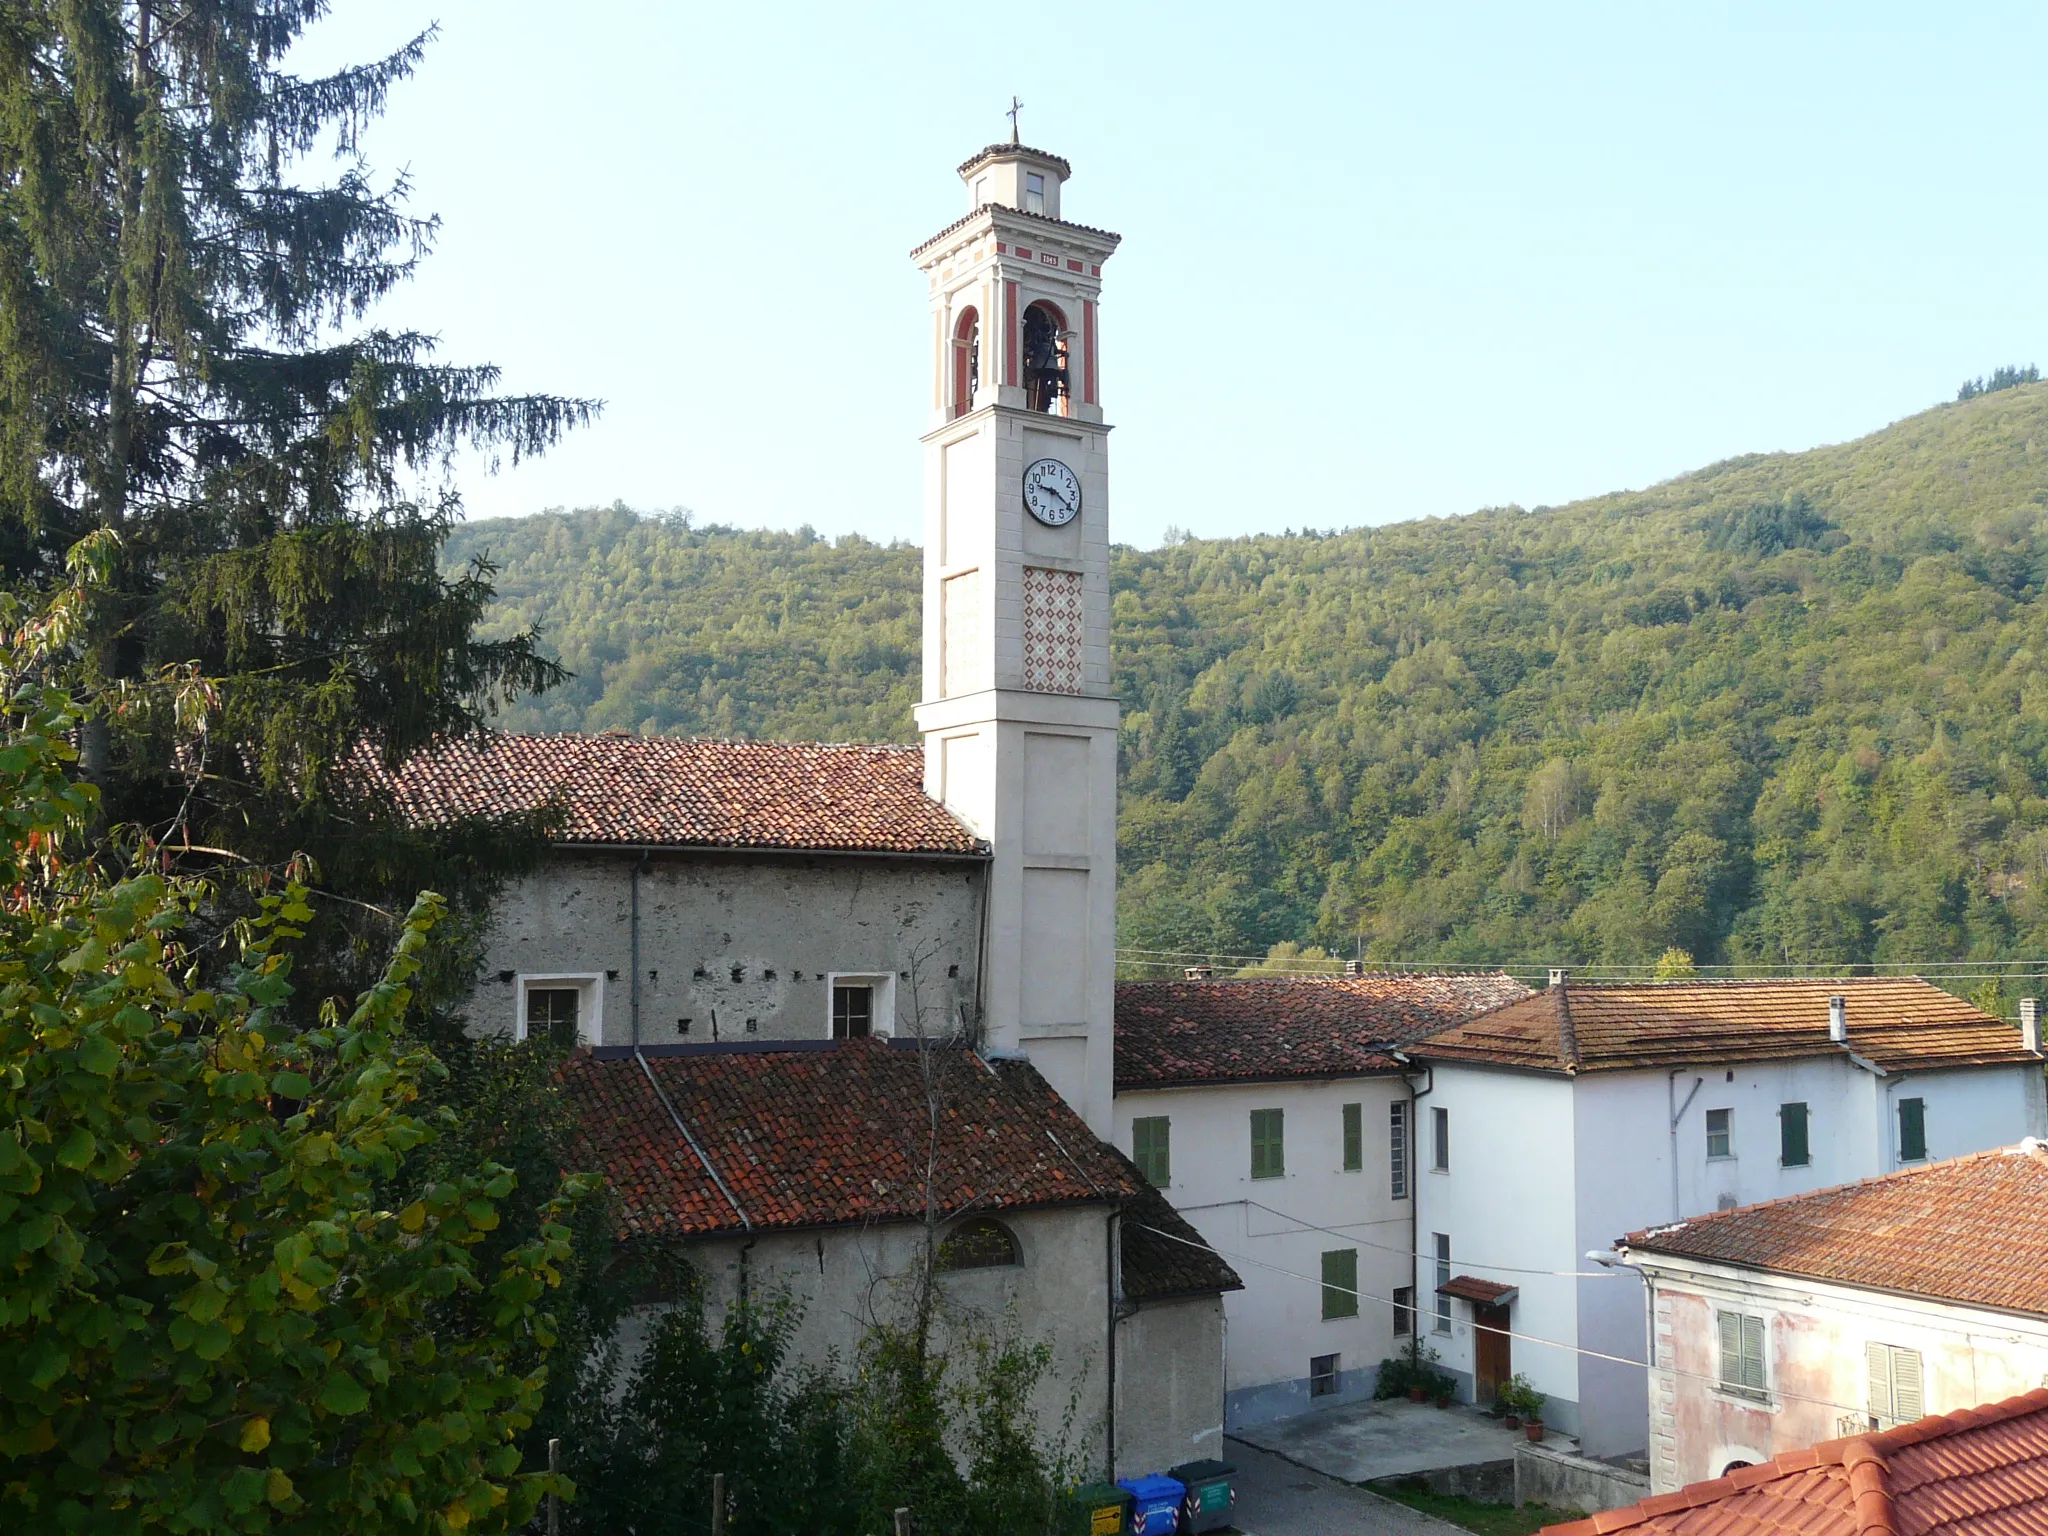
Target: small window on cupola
{"type": "Point", "coordinates": [1034, 192]}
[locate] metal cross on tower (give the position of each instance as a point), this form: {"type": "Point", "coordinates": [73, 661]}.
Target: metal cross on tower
{"type": "Point", "coordinates": [1016, 106]}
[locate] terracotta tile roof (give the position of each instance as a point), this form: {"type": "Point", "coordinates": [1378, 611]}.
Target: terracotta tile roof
{"type": "Point", "coordinates": [1002, 211]}
{"type": "Point", "coordinates": [995, 150]}
{"type": "Point", "coordinates": [1896, 1022]}
{"type": "Point", "coordinates": [1981, 1472]}
{"type": "Point", "coordinates": [1163, 1255]}
{"type": "Point", "coordinates": [1971, 1230]}
{"type": "Point", "coordinates": [1258, 1029]}
{"type": "Point", "coordinates": [1472, 1288]}
{"type": "Point", "coordinates": [666, 792]}
{"type": "Point", "coordinates": [820, 1133]}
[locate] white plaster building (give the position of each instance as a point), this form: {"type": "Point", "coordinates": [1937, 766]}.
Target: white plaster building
{"type": "Point", "coordinates": [1782, 1325]}
{"type": "Point", "coordinates": [1273, 1114]}
{"type": "Point", "coordinates": [1552, 1125]}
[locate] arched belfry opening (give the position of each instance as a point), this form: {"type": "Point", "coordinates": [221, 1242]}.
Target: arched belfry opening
{"type": "Point", "coordinates": [1045, 359]}
{"type": "Point", "coordinates": [966, 360]}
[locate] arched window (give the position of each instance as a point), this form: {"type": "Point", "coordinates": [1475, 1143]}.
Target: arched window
{"type": "Point", "coordinates": [966, 360]}
{"type": "Point", "coordinates": [978, 1243]}
{"type": "Point", "coordinates": [1045, 358]}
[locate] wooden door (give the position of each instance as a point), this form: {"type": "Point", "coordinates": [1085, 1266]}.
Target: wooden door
{"type": "Point", "coordinates": [1491, 1357]}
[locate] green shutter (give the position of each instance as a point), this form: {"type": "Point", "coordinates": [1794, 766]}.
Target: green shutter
{"type": "Point", "coordinates": [1340, 1283]}
{"type": "Point", "coordinates": [1397, 1148]}
{"type": "Point", "coordinates": [1753, 1353]}
{"type": "Point", "coordinates": [1731, 1348]}
{"type": "Point", "coordinates": [1354, 1137]}
{"type": "Point", "coordinates": [1151, 1149]}
{"type": "Point", "coordinates": [1907, 1401]}
{"type": "Point", "coordinates": [1793, 1151]}
{"type": "Point", "coordinates": [1912, 1130]}
{"type": "Point", "coordinates": [1877, 1360]}
{"type": "Point", "coordinates": [1269, 1154]}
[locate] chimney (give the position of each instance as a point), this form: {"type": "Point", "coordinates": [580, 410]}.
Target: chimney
{"type": "Point", "coordinates": [1354, 967]}
{"type": "Point", "coordinates": [1197, 972]}
{"type": "Point", "coordinates": [1838, 1020]}
{"type": "Point", "coordinates": [2030, 1024]}
{"type": "Point", "coordinates": [1557, 975]}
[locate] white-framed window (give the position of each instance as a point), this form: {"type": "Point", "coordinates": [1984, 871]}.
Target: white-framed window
{"type": "Point", "coordinates": [565, 1005]}
{"type": "Point", "coordinates": [1744, 1367]}
{"type": "Point", "coordinates": [1720, 1133]}
{"type": "Point", "coordinates": [1440, 1141]}
{"type": "Point", "coordinates": [980, 190]}
{"type": "Point", "coordinates": [1034, 192]}
{"type": "Point", "coordinates": [1323, 1375]}
{"type": "Point", "coordinates": [859, 1004]}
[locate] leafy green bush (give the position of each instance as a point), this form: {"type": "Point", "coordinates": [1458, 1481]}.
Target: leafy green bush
{"type": "Point", "coordinates": [807, 1448]}
{"type": "Point", "coordinates": [1415, 1366]}
{"type": "Point", "coordinates": [1519, 1397]}
{"type": "Point", "coordinates": [213, 1315]}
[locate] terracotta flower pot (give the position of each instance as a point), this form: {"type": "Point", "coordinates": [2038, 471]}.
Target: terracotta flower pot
{"type": "Point", "coordinates": [1534, 1429]}
{"type": "Point", "coordinates": [1513, 1420]}
{"type": "Point", "coordinates": [1416, 1394]}
{"type": "Point", "coordinates": [1443, 1402]}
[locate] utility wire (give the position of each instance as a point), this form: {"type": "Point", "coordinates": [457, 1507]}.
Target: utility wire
{"type": "Point", "coordinates": [1406, 1253]}
{"type": "Point", "coordinates": [1527, 1338]}
{"type": "Point", "coordinates": [1791, 1282]}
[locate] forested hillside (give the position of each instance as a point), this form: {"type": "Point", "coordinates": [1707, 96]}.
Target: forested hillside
{"type": "Point", "coordinates": [1789, 709]}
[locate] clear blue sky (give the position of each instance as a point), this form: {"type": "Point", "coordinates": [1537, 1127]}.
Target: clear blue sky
{"type": "Point", "coordinates": [1379, 261]}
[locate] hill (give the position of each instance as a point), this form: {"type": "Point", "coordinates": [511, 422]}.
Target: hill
{"type": "Point", "coordinates": [1791, 709]}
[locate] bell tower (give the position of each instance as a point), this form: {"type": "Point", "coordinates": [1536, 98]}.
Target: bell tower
{"type": "Point", "coordinates": [1019, 724]}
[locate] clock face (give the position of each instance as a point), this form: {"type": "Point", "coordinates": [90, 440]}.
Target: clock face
{"type": "Point", "coordinates": [1052, 492]}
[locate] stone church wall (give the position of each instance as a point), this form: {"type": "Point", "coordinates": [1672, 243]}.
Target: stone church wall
{"type": "Point", "coordinates": [754, 940]}
{"type": "Point", "coordinates": [841, 1278]}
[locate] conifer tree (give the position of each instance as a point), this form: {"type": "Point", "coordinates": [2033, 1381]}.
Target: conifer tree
{"type": "Point", "coordinates": [185, 363]}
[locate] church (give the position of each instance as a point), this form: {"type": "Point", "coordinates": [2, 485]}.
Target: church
{"type": "Point", "coordinates": [826, 988]}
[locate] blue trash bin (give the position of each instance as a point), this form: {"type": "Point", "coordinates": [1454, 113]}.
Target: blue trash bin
{"type": "Point", "coordinates": [1155, 1504]}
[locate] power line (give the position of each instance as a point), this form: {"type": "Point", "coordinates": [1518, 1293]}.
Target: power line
{"type": "Point", "coordinates": [1815, 970]}
{"type": "Point", "coordinates": [1347, 1233]}
{"type": "Point", "coordinates": [1527, 1338]}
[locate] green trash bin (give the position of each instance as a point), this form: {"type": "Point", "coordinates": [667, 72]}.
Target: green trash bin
{"type": "Point", "coordinates": [1210, 1496]}
{"type": "Point", "coordinates": [1106, 1508]}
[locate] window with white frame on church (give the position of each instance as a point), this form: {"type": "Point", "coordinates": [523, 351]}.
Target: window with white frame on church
{"type": "Point", "coordinates": [562, 1009]}
{"type": "Point", "coordinates": [859, 1004]}
{"type": "Point", "coordinates": [1034, 192]}
{"type": "Point", "coordinates": [853, 1010]}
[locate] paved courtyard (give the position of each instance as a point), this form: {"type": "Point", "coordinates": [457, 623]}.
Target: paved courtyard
{"type": "Point", "coordinates": [1275, 1498]}
{"type": "Point", "coordinates": [1362, 1441]}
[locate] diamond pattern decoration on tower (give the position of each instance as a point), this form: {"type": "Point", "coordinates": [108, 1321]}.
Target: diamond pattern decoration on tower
{"type": "Point", "coordinates": [1052, 630]}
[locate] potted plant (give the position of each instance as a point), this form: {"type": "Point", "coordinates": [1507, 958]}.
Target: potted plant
{"type": "Point", "coordinates": [1519, 1400]}
{"type": "Point", "coordinates": [1413, 1371]}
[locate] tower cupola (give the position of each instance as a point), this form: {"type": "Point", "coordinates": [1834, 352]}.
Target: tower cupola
{"type": "Point", "coordinates": [1016, 176]}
